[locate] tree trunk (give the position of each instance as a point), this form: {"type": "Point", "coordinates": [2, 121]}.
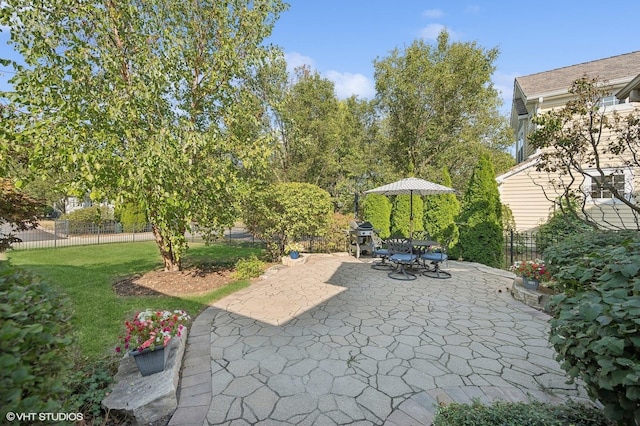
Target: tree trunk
{"type": "Point", "coordinates": [171, 263]}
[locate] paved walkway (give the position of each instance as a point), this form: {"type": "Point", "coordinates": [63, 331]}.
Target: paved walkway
{"type": "Point", "coordinates": [333, 341]}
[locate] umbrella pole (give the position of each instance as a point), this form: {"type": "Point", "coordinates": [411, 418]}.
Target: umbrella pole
{"type": "Point", "coordinates": [411, 214]}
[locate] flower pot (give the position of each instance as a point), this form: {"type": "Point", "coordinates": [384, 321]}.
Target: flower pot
{"type": "Point", "coordinates": [530, 284]}
{"type": "Point", "coordinates": [150, 362]}
{"type": "Point", "coordinates": [294, 254]}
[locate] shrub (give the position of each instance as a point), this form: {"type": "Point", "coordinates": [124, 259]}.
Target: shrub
{"type": "Point", "coordinates": [287, 211]}
{"type": "Point", "coordinates": [596, 328]}
{"type": "Point", "coordinates": [576, 261]}
{"type": "Point", "coordinates": [519, 413]}
{"type": "Point", "coordinates": [35, 336]}
{"type": "Point", "coordinates": [336, 236]}
{"type": "Point", "coordinates": [132, 217]}
{"type": "Point", "coordinates": [250, 267]}
{"type": "Point", "coordinates": [440, 214]}
{"type": "Point", "coordinates": [481, 236]}
{"type": "Point", "coordinates": [401, 215]}
{"type": "Point", "coordinates": [560, 225]}
{"type": "Point", "coordinates": [94, 214]}
{"type": "Point", "coordinates": [376, 209]}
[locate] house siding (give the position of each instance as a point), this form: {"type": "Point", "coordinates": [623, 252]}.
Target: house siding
{"type": "Point", "coordinates": [522, 193]}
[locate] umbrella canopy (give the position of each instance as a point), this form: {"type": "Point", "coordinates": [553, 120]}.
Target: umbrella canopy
{"type": "Point", "coordinates": [411, 186]}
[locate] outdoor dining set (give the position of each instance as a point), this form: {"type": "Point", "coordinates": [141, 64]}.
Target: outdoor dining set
{"type": "Point", "coordinates": [406, 258]}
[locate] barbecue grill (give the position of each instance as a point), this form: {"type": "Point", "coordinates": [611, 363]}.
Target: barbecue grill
{"type": "Point", "coordinates": [360, 238]}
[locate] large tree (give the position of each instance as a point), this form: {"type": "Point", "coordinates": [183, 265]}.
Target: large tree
{"type": "Point", "coordinates": [151, 102]}
{"type": "Point", "coordinates": [586, 148]}
{"type": "Point", "coordinates": [440, 108]}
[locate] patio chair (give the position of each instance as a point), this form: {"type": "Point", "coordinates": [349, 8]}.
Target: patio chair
{"type": "Point", "coordinates": [401, 254]}
{"type": "Point", "coordinates": [435, 257]}
{"type": "Point", "coordinates": [379, 250]}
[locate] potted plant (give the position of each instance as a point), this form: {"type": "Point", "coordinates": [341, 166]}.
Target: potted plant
{"type": "Point", "coordinates": [532, 272]}
{"type": "Point", "coordinates": [147, 336]}
{"type": "Point", "coordinates": [293, 249]}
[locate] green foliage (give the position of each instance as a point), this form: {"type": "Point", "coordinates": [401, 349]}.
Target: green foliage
{"type": "Point", "coordinates": [35, 339]}
{"type": "Point", "coordinates": [596, 331]}
{"type": "Point", "coordinates": [519, 413]}
{"type": "Point", "coordinates": [89, 385]}
{"type": "Point", "coordinates": [481, 236]}
{"type": "Point", "coordinates": [336, 238]}
{"type": "Point", "coordinates": [440, 107]}
{"type": "Point", "coordinates": [401, 215]}
{"type": "Point", "coordinates": [95, 215]}
{"type": "Point", "coordinates": [132, 217]}
{"type": "Point", "coordinates": [287, 212]}
{"type": "Point", "coordinates": [441, 213]}
{"type": "Point", "coordinates": [155, 103]}
{"type": "Point", "coordinates": [18, 211]}
{"type": "Point", "coordinates": [562, 223]}
{"type": "Point", "coordinates": [376, 209]}
{"type": "Point", "coordinates": [250, 267]}
{"type": "Point", "coordinates": [577, 261]}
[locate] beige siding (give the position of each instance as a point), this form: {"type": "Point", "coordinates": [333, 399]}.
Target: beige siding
{"type": "Point", "coordinates": [526, 198]}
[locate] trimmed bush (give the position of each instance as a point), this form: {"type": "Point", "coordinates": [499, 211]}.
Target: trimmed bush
{"type": "Point", "coordinates": [132, 217]}
{"type": "Point", "coordinates": [596, 327]}
{"type": "Point", "coordinates": [250, 267]}
{"type": "Point", "coordinates": [401, 215]}
{"type": "Point", "coordinates": [520, 414]}
{"type": "Point", "coordinates": [481, 236]}
{"type": "Point", "coordinates": [35, 339]}
{"type": "Point", "coordinates": [376, 208]}
{"type": "Point", "coordinates": [287, 212]}
{"type": "Point", "coordinates": [440, 214]}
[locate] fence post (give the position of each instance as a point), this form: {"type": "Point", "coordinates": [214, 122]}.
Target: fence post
{"type": "Point", "coordinates": [511, 248]}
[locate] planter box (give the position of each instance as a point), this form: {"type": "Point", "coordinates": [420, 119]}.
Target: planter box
{"type": "Point", "coordinates": [530, 284]}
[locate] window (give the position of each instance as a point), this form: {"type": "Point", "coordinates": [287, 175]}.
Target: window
{"type": "Point", "coordinates": [608, 101]}
{"type": "Point", "coordinates": [598, 189]}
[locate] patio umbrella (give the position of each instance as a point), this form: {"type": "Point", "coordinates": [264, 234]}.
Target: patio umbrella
{"type": "Point", "coordinates": [411, 186]}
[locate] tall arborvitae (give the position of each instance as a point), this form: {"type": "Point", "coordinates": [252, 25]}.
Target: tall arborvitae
{"type": "Point", "coordinates": [376, 209]}
{"type": "Point", "coordinates": [401, 215]}
{"type": "Point", "coordinates": [481, 237]}
{"type": "Point", "coordinates": [441, 213]}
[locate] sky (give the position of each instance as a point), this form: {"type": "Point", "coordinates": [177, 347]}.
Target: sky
{"type": "Point", "coordinates": [341, 38]}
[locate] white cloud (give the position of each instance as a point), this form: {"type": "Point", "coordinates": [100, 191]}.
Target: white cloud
{"type": "Point", "coordinates": [433, 13]}
{"type": "Point", "coordinates": [431, 32]}
{"type": "Point", "coordinates": [295, 60]}
{"type": "Point", "coordinates": [348, 84]}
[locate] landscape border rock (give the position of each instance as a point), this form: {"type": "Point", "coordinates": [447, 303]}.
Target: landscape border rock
{"type": "Point", "coordinates": [147, 399]}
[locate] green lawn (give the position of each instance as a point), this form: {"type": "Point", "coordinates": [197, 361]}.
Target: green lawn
{"type": "Point", "coordinates": [86, 274]}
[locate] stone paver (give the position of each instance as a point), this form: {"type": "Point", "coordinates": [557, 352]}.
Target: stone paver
{"type": "Point", "coordinates": [333, 341]}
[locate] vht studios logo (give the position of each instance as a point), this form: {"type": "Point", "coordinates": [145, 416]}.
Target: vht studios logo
{"type": "Point", "coordinates": [44, 417]}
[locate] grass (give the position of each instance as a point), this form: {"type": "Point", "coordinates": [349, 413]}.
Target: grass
{"type": "Point", "coordinates": [86, 274]}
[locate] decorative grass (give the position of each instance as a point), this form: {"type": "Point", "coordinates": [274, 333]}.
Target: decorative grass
{"type": "Point", "coordinates": [86, 275]}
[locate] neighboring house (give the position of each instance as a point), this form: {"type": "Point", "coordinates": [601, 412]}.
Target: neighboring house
{"type": "Point", "coordinates": [527, 191]}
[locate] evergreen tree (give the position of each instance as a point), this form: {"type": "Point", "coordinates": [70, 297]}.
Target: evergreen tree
{"type": "Point", "coordinates": [376, 208]}
{"type": "Point", "coordinates": [481, 237]}
{"type": "Point", "coordinates": [401, 215]}
{"type": "Point", "coordinates": [440, 214]}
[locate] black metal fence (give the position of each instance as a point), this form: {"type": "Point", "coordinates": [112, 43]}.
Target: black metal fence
{"type": "Point", "coordinates": [63, 233]}
{"type": "Point", "coordinates": [523, 246]}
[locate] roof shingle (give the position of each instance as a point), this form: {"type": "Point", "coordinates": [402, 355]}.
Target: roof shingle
{"type": "Point", "coordinates": [622, 66]}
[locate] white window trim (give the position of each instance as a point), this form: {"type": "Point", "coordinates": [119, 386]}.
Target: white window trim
{"type": "Point", "coordinates": [628, 185]}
